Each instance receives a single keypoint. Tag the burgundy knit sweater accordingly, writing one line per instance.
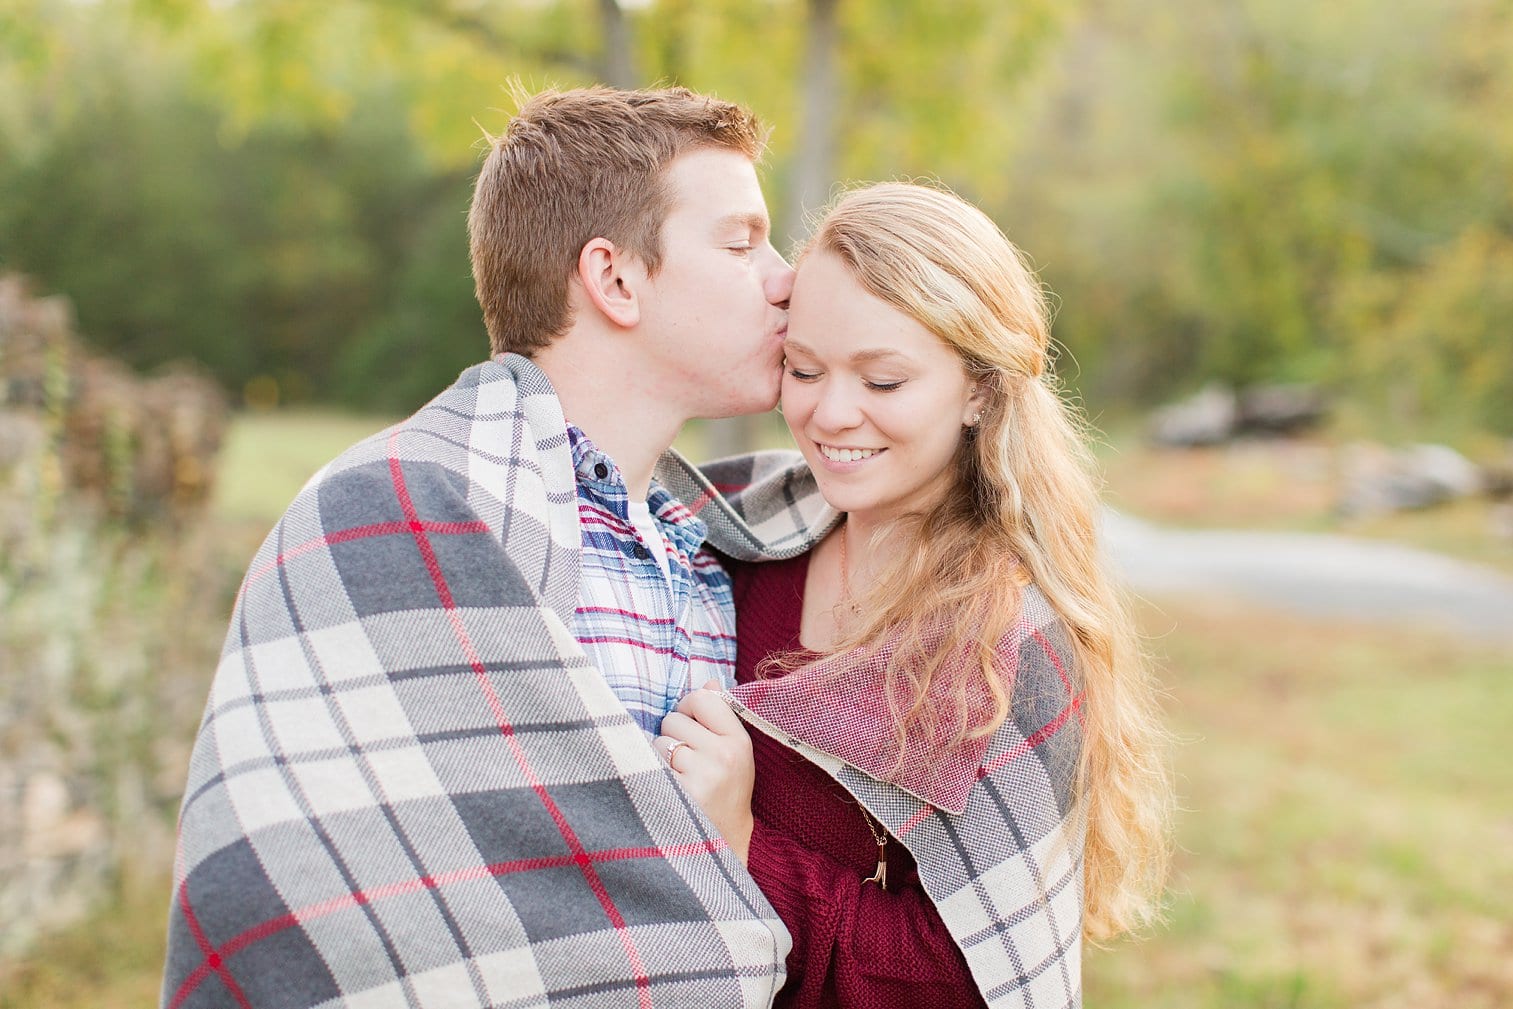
(855, 946)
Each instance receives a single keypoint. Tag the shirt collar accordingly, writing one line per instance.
(597, 473)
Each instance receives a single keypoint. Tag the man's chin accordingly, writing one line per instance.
(751, 409)
(749, 403)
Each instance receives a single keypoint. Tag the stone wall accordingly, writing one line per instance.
(112, 601)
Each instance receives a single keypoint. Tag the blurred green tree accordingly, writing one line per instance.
(1262, 189)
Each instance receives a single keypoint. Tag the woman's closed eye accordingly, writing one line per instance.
(884, 386)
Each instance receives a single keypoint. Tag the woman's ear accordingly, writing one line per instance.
(977, 401)
(610, 279)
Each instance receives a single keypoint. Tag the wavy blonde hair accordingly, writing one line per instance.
(1027, 510)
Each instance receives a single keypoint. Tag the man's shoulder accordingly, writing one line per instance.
(483, 447)
(483, 404)
(499, 414)
(481, 476)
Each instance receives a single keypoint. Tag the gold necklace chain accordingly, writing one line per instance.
(880, 837)
(845, 598)
(845, 580)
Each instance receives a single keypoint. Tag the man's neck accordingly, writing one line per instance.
(620, 416)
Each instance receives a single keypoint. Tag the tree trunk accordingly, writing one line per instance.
(814, 166)
(814, 171)
(618, 64)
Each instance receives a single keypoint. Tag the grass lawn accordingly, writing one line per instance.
(268, 457)
(1347, 839)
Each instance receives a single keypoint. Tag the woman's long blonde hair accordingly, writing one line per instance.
(1025, 509)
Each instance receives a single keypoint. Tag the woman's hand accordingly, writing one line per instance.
(708, 749)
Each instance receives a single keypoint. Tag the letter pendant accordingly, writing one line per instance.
(880, 877)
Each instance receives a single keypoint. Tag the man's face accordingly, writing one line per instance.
(716, 313)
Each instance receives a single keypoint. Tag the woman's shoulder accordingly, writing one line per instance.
(1039, 631)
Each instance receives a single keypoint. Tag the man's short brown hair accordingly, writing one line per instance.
(573, 166)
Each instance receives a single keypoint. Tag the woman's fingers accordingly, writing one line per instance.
(708, 749)
(667, 747)
(708, 707)
(689, 729)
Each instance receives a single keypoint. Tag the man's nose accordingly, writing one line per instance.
(779, 285)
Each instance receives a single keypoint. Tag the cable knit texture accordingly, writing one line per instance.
(854, 944)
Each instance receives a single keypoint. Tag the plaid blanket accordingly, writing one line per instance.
(991, 824)
(411, 787)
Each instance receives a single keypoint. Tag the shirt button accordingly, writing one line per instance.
(641, 552)
(600, 470)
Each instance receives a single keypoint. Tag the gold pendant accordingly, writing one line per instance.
(880, 877)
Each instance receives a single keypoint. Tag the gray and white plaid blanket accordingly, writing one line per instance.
(411, 787)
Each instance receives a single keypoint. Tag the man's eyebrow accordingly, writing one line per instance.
(756, 222)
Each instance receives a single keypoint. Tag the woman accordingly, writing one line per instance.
(959, 769)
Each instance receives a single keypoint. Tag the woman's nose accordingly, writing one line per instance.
(836, 410)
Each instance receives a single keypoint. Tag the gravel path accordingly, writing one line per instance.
(1316, 574)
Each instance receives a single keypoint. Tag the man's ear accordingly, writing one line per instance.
(611, 278)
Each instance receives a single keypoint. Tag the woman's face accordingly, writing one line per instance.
(875, 401)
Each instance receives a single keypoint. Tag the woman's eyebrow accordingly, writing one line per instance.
(860, 357)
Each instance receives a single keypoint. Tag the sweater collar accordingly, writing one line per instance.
(836, 705)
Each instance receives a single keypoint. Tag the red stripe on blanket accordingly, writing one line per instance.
(360, 533)
(1050, 728)
(916, 820)
(1040, 735)
(697, 505)
(215, 957)
(1055, 657)
(581, 858)
(213, 960)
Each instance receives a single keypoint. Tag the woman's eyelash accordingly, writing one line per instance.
(885, 386)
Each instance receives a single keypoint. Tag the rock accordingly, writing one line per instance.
(1207, 418)
(1445, 468)
(1497, 478)
(1281, 409)
(1378, 480)
(1500, 521)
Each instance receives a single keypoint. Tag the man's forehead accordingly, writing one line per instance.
(718, 185)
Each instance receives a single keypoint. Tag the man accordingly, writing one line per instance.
(425, 774)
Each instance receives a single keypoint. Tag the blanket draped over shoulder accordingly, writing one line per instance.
(992, 823)
(412, 788)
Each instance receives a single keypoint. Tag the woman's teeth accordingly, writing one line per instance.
(847, 454)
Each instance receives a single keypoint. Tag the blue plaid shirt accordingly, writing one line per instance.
(654, 637)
